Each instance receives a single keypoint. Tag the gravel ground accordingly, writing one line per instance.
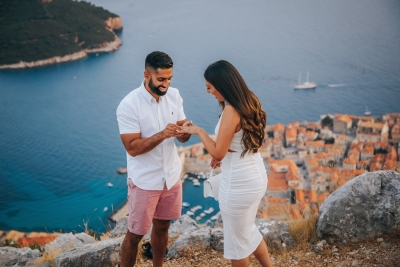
(382, 251)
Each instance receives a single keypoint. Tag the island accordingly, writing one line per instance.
(43, 32)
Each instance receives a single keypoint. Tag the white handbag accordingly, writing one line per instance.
(211, 185)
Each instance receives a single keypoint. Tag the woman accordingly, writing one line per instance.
(240, 132)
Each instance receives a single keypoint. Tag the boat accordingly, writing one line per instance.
(202, 214)
(198, 218)
(305, 85)
(367, 112)
(209, 211)
(105, 209)
(122, 170)
(110, 185)
(185, 204)
(213, 218)
(190, 213)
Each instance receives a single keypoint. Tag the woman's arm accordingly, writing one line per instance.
(229, 122)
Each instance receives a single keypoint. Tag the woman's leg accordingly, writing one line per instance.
(262, 255)
(240, 263)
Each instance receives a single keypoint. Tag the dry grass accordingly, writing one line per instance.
(303, 231)
(49, 257)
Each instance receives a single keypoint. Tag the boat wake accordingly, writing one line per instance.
(337, 85)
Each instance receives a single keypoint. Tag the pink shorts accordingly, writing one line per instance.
(146, 205)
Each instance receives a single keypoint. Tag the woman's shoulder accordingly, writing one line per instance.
(230, 110)
(231, 114)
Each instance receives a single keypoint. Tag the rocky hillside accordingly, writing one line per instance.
(33, 30)
(358, 225)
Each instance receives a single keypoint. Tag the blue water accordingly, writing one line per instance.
(59, 140)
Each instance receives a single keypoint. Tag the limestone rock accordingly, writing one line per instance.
(276, 234)
(364, 206)
(217, 239)
(194, 241)
(183, 225)
(114, 23)
(99, 254)
(218, 222)
(10, 256)
(67, 242)
(120, 229)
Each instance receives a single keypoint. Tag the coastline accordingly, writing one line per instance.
(103, 48)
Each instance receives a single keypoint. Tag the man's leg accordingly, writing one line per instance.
(159, 241)
(129, 249)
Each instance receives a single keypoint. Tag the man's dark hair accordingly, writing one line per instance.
(158, 60)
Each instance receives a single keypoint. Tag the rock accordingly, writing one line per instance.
(44, 62)
(114, 23)
(385, 245)
(194, 241)
(121, 228)
(183, 225)
(368, 251)
(218, 222)
(320, 244)
(217, 239)
(275, 234)
(67, 242)
(10, 256)
(361, 208)
(102, 253)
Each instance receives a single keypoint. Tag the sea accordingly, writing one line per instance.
(59, 138)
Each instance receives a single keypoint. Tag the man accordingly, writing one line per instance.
(149, 118)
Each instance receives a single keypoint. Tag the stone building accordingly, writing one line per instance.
(372, 132)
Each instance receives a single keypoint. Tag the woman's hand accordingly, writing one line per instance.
(215, 163)
(190, 128)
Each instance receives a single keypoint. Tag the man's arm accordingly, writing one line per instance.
(135, 145)
(183, 138)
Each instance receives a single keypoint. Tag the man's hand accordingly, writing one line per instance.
(171, 130)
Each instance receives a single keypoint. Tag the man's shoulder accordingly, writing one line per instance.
(173, 92)
(132, 97)
(130, 100)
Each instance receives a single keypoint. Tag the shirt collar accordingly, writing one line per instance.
(146, 93)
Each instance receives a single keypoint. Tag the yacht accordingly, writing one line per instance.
(305, 85)
(209, 211)
(122, 170)
(110, 185)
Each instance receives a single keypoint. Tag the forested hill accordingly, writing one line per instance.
(32, 30)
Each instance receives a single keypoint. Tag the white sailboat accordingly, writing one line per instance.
(367, 112)
(305, 85)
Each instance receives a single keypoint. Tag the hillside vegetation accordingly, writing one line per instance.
(31, 30)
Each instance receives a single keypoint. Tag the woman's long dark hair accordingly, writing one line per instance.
(230, 84)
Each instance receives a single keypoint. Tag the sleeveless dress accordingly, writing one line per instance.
(243, 184)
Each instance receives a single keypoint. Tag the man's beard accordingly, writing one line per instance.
(156, 89)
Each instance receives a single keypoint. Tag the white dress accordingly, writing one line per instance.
(243, 184)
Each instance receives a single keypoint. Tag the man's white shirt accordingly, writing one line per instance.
(139, 112)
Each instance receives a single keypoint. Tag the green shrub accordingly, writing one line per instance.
(31, 31)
